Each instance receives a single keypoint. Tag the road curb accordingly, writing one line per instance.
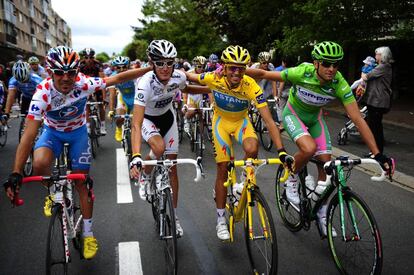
(399, 179)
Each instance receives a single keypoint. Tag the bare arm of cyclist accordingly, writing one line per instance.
(125, 76)
(271, 126)
(262, 74)
(10, 100)
(26, 143)
(136, 136)
(366, 134)
(192, 77)
(112, 98)
(196, 89)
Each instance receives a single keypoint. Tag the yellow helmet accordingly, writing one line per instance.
(236, 55)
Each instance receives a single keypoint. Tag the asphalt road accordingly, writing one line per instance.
(116, 226)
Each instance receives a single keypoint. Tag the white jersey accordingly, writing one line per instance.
(62, 112)
(156, 97)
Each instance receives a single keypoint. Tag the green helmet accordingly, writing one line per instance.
(327, 51)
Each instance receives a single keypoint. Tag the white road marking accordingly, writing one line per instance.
(129, 258)
(123, 186)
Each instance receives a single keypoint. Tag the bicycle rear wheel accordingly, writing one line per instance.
(199, 142)
(260, 235)
(169, 234)
(265, 138)
(289, 213)
(93, 137)
(3, 135)
(180, 124)
(21, 127)
(354, 253)
(55, 250)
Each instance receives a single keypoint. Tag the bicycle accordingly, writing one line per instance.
(260, 126)
(179, 117)
(197, 129)
(94, 126)
(66, 220)
(359, 237)
(3, 130)
(159, 195)
(126, 134)
(252, 207)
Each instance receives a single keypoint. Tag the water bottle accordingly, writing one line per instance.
(310, 185)
(320, 188)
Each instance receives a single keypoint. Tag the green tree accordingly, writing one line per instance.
(136, 50)
(179, 22)
(102, 57)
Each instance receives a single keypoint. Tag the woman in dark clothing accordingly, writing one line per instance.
(378, 93)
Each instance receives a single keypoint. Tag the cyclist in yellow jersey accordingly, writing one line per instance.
(232, 94)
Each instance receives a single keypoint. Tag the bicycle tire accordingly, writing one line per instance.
(199, 142)
(128, 146)
(3, 135)
(261, 249)
(208, 126)
(290, 215)
(265, 138)
(93, 138)
(169, 233)
(55, 247)
(28, 166)
(193, 132)
(369, 261)
(75, 208)
(180, 124)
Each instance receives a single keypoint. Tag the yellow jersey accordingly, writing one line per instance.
(231, 103)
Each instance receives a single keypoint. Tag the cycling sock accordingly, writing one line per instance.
(87, 228)
(102, 124)
(221, 218)
(322, 211)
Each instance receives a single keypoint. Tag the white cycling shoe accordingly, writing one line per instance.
(223, 231)
(292, 194)
(179, 230)
(322, 222)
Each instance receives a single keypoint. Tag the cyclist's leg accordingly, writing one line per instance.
(46, 149)
(245, 135)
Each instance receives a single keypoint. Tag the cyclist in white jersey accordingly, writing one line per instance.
(60, 101)
(153, 116)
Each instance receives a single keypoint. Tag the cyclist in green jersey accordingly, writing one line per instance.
(315, 85)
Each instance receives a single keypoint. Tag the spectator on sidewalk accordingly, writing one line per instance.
(378, 93)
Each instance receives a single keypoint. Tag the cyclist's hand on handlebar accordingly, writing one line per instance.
(388, 164)
(135, 166)
(111, 114)
(286, 159)
(12, 185)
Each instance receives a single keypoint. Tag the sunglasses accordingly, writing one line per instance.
(264, 63)
(327, 64)
(233, 69)
(121, 67)
(199, 66)
(161, 64)
(71, 73)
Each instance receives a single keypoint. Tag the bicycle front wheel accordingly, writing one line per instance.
(55, 250)
(289, 212)
(199, 142)
(260, 235)
(358, 248)
(169, 234)
(28, 166)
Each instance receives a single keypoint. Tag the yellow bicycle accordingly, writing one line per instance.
(251, 206)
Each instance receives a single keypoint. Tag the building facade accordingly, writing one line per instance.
(30, 27)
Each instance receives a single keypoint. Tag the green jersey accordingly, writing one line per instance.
(307, 93)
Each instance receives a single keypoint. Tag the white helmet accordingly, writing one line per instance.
(161, 49)
(264, 57)
(120, 61)
(21, 71)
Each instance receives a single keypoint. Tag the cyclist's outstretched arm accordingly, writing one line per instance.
(26, 144)
(271, 126)
(125, 76)
(262, 74)
(10, 100)
(196, 89)
(112, 98)
(192, 77)
(366, 134)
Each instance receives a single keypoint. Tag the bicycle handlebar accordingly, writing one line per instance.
(345, 162)
(17, 201)
(172, 162)
(259, 163)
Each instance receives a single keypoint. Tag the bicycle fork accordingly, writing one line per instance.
(342, 189)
